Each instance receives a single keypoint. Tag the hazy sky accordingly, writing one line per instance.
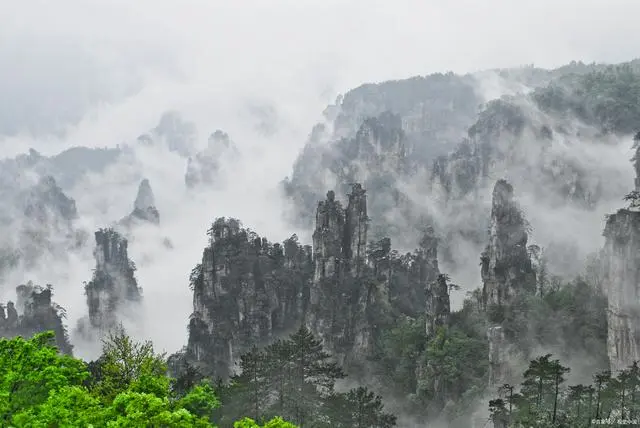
(59, 58)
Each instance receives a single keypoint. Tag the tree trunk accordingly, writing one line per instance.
(539, 394)
(598, 402)
(622, 401)
(555, 397)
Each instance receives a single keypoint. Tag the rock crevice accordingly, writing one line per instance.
(113, 286)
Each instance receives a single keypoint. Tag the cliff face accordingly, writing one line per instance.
(341, 294)
(621, 280)
(113, 285)
(506, 266)
(507, 271)
(438, 307)
(248, 291)
(34, 313)
(622, 286)
(340, 237)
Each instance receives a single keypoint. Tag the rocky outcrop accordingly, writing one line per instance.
(506, 265)
(8, 319)
(341, 294)
(34, 313)
(438, 307)
(246, 291)
(376, 134)
(46, 223)
(621, 282)
(622, 287)
(144, 207)
(174, 133)
(407, 143)
(340, 236)
(378, 155)
(113, 286)
(507, 271)
(204, 167)
(460, 132)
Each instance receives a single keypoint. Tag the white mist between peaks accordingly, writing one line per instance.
(247, 189)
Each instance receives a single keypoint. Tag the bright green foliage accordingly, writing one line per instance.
(134, 409)
(69, 406)
(39, 388)
(75, 406)
(201, 400)
(30, 370)
(125, 364)
(276, 422)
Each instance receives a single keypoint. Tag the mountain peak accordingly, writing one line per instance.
(144, 207)
(145, 198)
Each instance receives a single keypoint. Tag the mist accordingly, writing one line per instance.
(100, 73)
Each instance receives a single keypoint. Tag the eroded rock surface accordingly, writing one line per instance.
(507, 272)
(621, 280)
(506, 265)
(248, 291)
(34, 313)
(113, 288)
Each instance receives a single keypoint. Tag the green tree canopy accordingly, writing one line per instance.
(126, 387)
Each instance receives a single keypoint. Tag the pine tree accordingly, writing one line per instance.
(313, 372)
(359, 408)
(253, 382)
(499, 413)
(279, 357)
(558, 372)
